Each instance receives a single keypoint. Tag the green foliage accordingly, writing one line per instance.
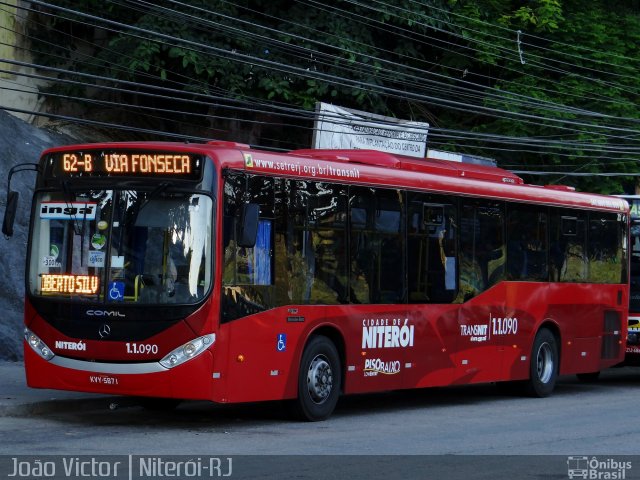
(537, 15)
(573, 57)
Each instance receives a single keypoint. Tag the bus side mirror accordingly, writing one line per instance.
(248, 225)
(10, 213)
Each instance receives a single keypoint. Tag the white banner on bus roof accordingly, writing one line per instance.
(343, 128)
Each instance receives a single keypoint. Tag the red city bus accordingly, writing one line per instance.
(219, 272)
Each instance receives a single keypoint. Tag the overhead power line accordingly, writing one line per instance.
(277, 66)
(617, 136)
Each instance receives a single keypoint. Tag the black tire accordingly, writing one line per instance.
(319, 380)
(543, 369)
(588, 377)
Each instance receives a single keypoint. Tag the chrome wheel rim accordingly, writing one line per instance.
(544, 362)
(319, 379)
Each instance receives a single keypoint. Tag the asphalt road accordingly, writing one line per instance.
(580, 419)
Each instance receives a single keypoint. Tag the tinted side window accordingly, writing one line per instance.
(248, 274)
(567, 246)
(311, 243)
(431, 248)
(482, 247)
(606, 248)
(527, 243)
(376, 246)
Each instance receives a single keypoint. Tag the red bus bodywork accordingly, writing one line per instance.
(405, 346)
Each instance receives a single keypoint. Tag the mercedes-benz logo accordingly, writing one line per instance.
(104, 331)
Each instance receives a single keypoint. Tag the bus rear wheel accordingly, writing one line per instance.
(543, 370)
(319, 380)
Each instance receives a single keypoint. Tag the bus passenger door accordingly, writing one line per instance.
(482, 254)
(377, 286)
(480, 354)
(432, 273)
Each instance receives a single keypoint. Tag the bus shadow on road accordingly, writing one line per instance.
(209, 415)
(482, 394)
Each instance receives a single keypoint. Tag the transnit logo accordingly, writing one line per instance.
(476, 333)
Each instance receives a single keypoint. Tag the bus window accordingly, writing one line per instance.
(248, 277)
(431, 248)
(249, 266)
(291, 271)
(70, 243)
(108, 249)
(323, 244)
(377, 246)
(159, 245)
(606, 248)
(482, 248)
(568, 246)
(311, 264)
(527, 243)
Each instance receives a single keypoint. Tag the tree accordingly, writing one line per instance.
(537, 84)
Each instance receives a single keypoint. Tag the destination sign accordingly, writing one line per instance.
(128, 163)
(70, 284)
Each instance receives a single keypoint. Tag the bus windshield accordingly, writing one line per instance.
(128, 246)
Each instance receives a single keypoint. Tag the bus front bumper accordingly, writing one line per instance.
(190, 380)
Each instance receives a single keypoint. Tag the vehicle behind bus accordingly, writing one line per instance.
(633, 338)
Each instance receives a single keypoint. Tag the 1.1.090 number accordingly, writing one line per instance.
(504, 326)
(142, 348)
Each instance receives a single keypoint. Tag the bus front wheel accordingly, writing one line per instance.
(319, 380)
(543, 370)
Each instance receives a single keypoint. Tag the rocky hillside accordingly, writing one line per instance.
(19, 143)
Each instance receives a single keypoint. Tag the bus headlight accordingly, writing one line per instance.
(38, 345)
(189, 350)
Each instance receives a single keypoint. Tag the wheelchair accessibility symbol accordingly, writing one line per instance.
(116, 291)
(282, 342)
